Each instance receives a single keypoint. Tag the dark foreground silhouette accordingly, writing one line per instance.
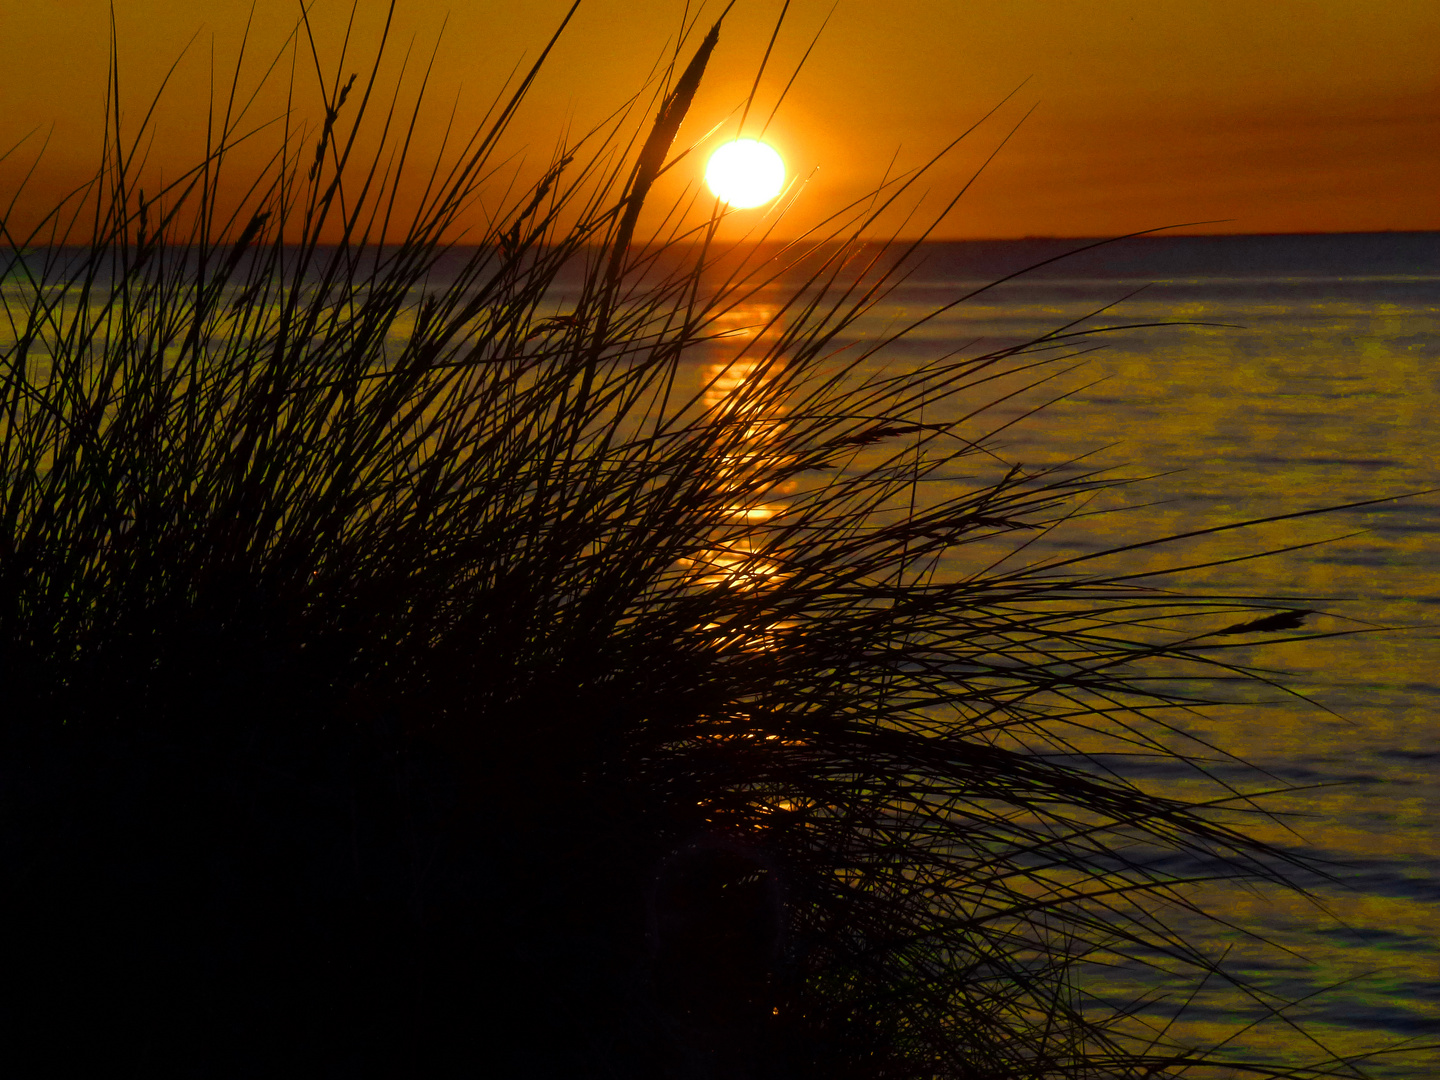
(266, 902)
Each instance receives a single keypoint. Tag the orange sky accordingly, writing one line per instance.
(1276, 116)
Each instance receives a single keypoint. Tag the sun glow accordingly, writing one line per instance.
(745, 173)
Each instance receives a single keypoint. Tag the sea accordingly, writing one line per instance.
(1263, 376)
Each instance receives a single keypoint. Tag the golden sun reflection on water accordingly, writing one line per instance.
(740, 556)
(740, 551)
(736, 393)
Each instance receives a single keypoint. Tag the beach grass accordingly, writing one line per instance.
(502, 652)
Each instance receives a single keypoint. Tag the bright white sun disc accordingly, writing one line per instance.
(745, 173)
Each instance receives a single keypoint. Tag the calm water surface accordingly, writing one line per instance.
(1324, 388)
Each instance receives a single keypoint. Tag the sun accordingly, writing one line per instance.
(745, 173)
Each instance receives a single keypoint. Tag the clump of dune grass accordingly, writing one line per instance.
(417, 660)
